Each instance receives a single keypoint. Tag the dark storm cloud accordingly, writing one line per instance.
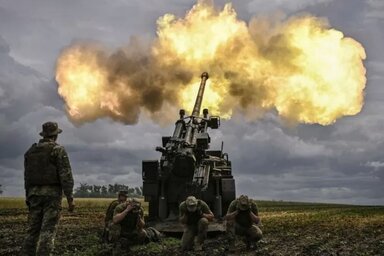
(339, 163)
(37, 36)
(23, 93)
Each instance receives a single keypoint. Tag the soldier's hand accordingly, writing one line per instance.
(129, 207)
(183, 219)
(256, 219)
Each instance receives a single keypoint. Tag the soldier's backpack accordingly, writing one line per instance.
(153, 235)
(111, 231)
(39, 169)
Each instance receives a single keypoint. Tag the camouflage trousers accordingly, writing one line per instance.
(125, 241)
(44, 214)
(190, 231)
(111, 232)
(251, 234)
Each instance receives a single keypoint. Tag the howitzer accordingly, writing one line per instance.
(187, 167)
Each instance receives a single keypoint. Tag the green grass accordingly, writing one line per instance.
(289, 229)
(81, 203)
(12, 203)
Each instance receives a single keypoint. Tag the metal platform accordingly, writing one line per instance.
(177, 227)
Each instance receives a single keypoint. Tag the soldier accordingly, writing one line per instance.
(109, 229)
(130, 217)
(47, 173)
(195, 215)
(242, 219)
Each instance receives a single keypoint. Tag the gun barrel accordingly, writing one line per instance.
(200, 94)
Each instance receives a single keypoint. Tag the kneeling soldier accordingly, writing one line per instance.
(242, 219)
(130, 217)
(110, 229)
(195, 215)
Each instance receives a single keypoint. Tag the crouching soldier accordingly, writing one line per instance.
(195, 215)
(130, 217)
(111, 231)
(242, 219)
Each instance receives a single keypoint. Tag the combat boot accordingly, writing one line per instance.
(198, 247)
(198, 244)
(250, 245)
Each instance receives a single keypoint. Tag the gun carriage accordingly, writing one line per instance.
(187, 167)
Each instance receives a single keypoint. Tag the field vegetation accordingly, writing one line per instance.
(289, 229)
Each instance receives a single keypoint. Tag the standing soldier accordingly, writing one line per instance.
(242, 219)
(47, 173)
(109, 229)
(195, 215)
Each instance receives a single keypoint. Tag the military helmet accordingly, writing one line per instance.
(243, 203)
(50, 129)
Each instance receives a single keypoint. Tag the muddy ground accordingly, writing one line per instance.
(289, 229)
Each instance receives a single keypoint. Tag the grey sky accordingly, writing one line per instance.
(339, 163)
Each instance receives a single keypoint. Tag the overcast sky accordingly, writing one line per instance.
(341, 163)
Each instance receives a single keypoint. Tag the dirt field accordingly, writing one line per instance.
(289, 229)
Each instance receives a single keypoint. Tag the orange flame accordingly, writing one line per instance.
(305, 70)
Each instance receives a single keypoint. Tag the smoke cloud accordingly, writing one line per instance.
(302, 68)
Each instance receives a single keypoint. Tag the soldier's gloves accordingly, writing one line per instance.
(200, 212)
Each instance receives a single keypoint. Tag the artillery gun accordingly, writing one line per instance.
(187, 167)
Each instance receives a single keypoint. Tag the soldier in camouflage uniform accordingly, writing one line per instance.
(130, 217)
(195, 215)
(110, 230)
(47, 173)
(242, 219)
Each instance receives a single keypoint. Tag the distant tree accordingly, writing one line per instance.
(110, 188)
(108, 191)
(96, 189)
(104, 191)
(1, 191)
(131, 191)
(83, 191)
(138, 191)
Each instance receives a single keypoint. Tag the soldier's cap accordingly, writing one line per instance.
(135, 201)
(123, 193)
(50, 129)
(191, 201)
(243, 202)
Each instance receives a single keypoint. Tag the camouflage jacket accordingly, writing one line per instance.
(110, 211)
(59, 158)
(243, 218)
(194, 217)
(129, 223)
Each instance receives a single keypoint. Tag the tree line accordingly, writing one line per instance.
(107, 191)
